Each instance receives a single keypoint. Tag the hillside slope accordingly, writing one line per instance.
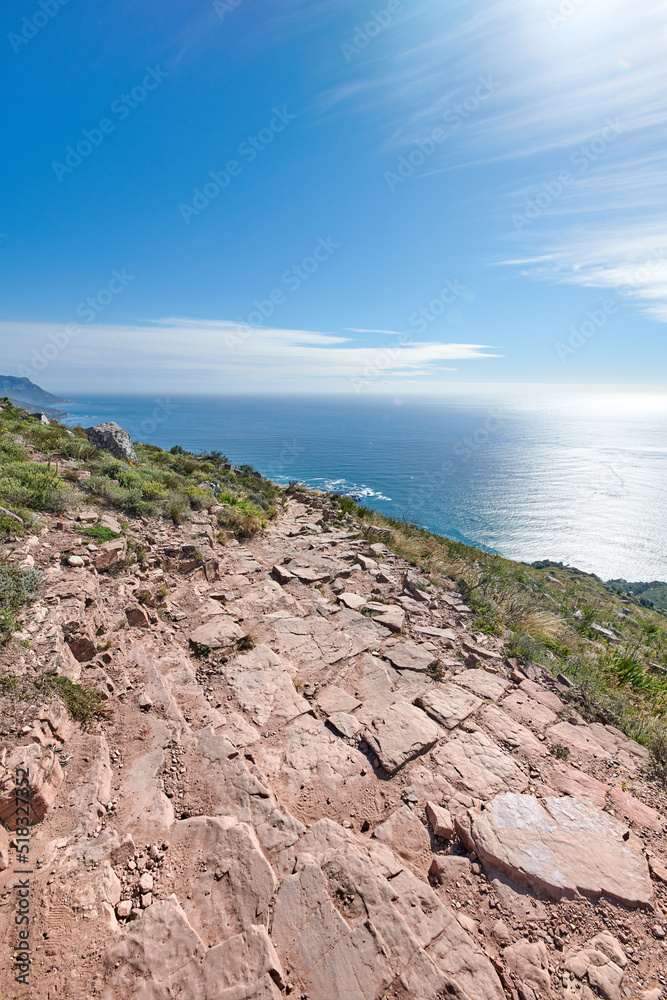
(24, 392)
(283, 747)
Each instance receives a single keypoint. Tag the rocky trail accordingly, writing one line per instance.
(315, 780)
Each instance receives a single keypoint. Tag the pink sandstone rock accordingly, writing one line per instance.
(561, 846)
(634, 811)
(45, 778)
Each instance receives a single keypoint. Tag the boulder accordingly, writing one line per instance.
(562, 846)
(44, 779)
(110, 437)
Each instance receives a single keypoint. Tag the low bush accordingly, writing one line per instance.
(17, 588)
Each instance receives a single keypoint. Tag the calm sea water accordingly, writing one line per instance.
(577, 480)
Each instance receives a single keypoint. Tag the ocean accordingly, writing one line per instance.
(576, 479)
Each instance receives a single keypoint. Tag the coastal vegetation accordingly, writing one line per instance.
(607, 646)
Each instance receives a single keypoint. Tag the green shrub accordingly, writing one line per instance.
(34, 486)
(17, 588)
(84, 704)
(97, 531)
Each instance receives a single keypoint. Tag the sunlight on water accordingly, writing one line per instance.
(576, 479)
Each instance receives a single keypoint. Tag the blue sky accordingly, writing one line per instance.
(333, 195)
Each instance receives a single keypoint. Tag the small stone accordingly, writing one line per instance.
(144, 701)
(154, 853)
(76, 561)
(441, 821)
(659, 931)
(124, 909)
(136, 618)
(146, 882)
(146, 900)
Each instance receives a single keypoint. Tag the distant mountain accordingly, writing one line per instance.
(25, 393)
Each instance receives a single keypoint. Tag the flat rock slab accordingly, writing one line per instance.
(567, 780)
(315, 639)
(353, 601)
(410, 656)
(392, 618)
(505, 729)
(345, 724)
(31, 775)
(263, 687)
(562, 846)
(404, 834)
(473, 763)
(312, 570)
(333, 699)
(436, 633)
(547, 698)
(399, 734)
(526, 709)
(448, 704)
(482, 683)
(634, 811)
(220, 631)
(596, 740)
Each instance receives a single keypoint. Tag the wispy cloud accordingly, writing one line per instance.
(562, 77)
(194, 355)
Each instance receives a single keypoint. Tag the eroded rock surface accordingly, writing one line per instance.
(562, 846)
(291, 798)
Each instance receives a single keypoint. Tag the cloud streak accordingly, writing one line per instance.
(194, 355)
